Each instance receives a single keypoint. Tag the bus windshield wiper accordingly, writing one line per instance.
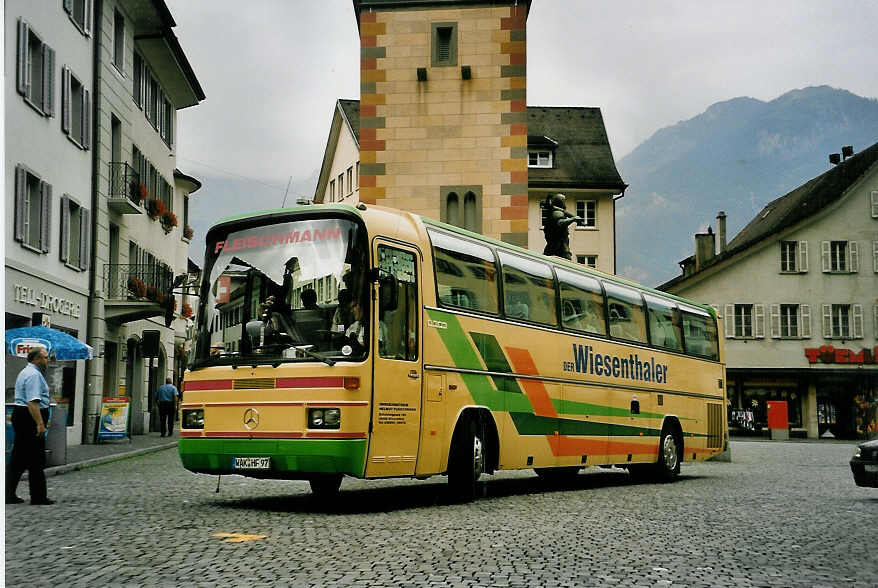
(306, 349)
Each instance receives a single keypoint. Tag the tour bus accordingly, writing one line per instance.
(336, 340)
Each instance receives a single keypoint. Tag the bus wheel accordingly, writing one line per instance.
(467, 462)
(668, 466)
(558, 475)
(325, 485)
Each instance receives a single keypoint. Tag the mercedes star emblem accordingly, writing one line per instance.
(251, 418)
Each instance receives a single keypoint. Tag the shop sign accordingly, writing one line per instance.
(46, 301)
(829, 354)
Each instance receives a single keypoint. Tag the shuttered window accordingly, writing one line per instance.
(80, 12)
(35, 70)
(790, 321)
(843, 321)
(840, 257)
(74, 233)
(745, 321)
(75, 109)
(33, 208)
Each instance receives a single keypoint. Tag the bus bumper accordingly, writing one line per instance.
(291, 459)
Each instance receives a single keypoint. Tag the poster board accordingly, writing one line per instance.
(113, 422)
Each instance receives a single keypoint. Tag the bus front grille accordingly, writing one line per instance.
(254, 384)
(714, 425)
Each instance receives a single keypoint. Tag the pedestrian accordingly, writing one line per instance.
(29, 419)
(167, 399)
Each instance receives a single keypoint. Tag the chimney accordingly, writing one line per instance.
(705, 248)
(721, 229)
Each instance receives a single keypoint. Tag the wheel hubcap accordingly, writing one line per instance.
(670, 453)
(478, 458)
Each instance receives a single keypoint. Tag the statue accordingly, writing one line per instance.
(555, 224)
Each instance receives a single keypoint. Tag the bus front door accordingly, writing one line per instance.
(397, 376)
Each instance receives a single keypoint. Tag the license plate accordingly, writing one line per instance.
(252, 463)
(872, 468)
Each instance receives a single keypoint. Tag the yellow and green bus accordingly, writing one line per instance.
(335, 340)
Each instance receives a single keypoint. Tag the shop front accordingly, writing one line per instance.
(30, 299)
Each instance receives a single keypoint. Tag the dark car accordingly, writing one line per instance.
(864, 464)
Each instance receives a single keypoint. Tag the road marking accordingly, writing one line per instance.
(238, 537)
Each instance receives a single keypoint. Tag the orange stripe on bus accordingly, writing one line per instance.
(570, 446)
(523, 363)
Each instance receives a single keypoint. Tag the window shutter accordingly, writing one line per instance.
(875, 259)
(84, 228)
(65, 228)
(858, 321)
(20, 188)
(86, 112)
(46, 212)
(759, 321)
(730, 320)
(774, 320)
(825, 256)
(86, 19)
(803, 256)
(22, 57)
(827, 321)
(853, 247)
(874, 203)
(804, 321)
(65, 100)
(68, 6)
(48, 81)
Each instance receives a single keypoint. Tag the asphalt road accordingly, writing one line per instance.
(781, 514)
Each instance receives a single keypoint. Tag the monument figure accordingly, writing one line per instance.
(556, 222)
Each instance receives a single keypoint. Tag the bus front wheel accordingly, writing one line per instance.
(467, 461)
(668, 466)
(325, 485)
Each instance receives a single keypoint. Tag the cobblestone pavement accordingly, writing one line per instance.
(781, 514)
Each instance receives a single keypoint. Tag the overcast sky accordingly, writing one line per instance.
(273, 71)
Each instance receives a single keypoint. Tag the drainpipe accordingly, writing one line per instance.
(90, 411)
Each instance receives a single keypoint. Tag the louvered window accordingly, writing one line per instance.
(76, 109)
(33, 207)
(74, 233)
(444, 44)
(35, 70)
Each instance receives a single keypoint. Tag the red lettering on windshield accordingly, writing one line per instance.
(272, 239)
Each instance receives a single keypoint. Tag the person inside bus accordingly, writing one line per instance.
(517, 307)
(309, 299)
(342, 317)
(358, 330)
(278, 329)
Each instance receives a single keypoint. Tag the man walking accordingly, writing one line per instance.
(167, 398)
(29, 419)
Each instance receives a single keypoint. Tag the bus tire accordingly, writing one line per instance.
(325, 485)
(467, 461)
(670, 450)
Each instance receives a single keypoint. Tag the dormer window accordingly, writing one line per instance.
(541, 158)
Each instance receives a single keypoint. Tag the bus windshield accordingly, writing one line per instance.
(283, 292)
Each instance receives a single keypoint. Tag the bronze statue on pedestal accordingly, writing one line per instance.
(556, 221)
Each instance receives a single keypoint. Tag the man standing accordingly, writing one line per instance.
(167, 398)
(29, 419)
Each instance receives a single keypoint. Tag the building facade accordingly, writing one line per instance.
(48, 97)
(141, 201)
(798, 292)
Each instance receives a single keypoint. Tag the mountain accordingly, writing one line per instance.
(736, 156)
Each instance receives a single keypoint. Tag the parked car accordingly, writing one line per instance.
(864, 464)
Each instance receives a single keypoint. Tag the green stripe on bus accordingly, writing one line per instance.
(531, 424)
(495, 361)
(584, 408)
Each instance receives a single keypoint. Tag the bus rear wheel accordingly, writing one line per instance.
(467, 461)
(325, 485)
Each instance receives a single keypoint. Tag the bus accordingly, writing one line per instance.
(338, 340)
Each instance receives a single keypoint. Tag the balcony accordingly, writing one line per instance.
(123, 196)
(135, 291)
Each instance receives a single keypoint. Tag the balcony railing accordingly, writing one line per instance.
(137, 282)
(124, 193)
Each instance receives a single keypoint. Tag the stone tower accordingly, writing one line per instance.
(443, 121)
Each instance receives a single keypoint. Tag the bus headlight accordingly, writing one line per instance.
(193, 418)
(324, 418)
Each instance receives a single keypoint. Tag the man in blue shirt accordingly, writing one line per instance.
(167, 398)
(29, 420)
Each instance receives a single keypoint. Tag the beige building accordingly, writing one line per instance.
(798, 292)
(442, 129)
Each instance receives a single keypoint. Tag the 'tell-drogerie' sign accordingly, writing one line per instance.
(829, 354)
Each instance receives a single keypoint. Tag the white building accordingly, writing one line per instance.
(48, 96)
(798, 292)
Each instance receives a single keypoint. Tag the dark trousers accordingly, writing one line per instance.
(28, 453)
(166, 416)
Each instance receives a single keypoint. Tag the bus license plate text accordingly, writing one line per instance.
(252, 463)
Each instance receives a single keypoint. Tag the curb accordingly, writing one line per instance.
(80, 465)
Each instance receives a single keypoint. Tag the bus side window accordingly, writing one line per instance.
(582, 303)
(625, 306)
(528, 289)
(664, 323)
(466, 276)
(700, 335)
